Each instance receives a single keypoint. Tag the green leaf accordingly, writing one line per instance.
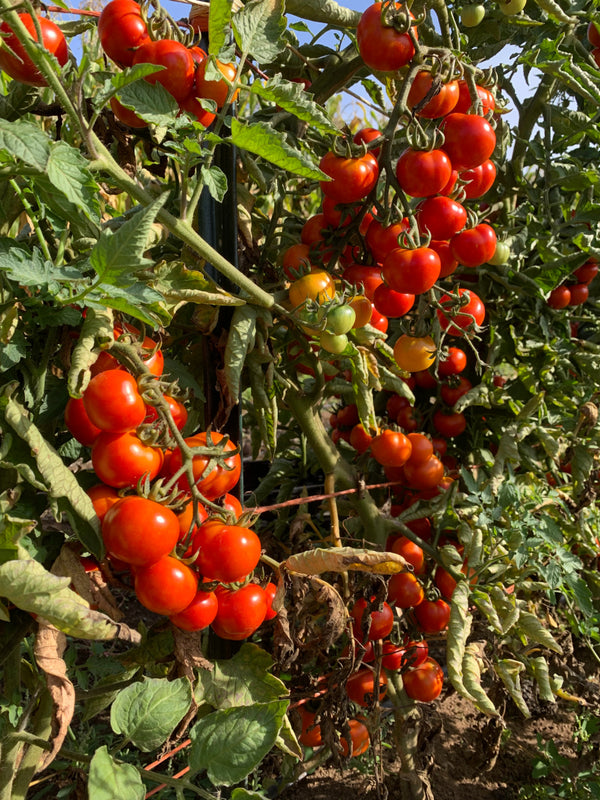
(150, 101)
(287, 740)
(25, 142)
(26, 584)
(261, 139)
(113, 82)
(258, 29)
(28, 267)
(484, 604)
(242, 680)
(118, 256)
(180, 284)
(581, 592)
(242, 332)
(264, 399)
(245, 794)
(148, 712)
(293, 98)
(61, 482)
(98, 702)
(68, 172)
(219, 23)
(230, 743)
(215, 181)
(327, 11)
(506, 608)
(107, 779)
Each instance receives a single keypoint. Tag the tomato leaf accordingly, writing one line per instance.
(326, 11)
(231, 742)
(506, 607)
(340, 559)
(219, 23)
(484, 604)
(25, 142)
(60, 481)
(67, 171)
(532, 627)
(242, 680)
(508, 670)
(258, 29)
(108, 779)
(287, 740)
(293, 98)
(459, 628)
(148, 712)
(151, 102)
(264, 399)
(539, 666)
(215, 181)
(263, 140)
(97, 329)
(29, 268)
(471, 675)
(244, 794)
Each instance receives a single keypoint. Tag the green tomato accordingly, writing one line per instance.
(471, 16)
(340, 319)
(511, 7)
(333, 343)
(501, 254)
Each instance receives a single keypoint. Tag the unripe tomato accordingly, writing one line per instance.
(17, 63)
(414, 353)
(501, 254)
(333, 343)
(362, 308)
(340, 319)
(511, 7)
(472, 15)
(317, 285)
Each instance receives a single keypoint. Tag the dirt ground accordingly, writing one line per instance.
(465, 755)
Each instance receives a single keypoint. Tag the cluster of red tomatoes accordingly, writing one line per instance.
(125, 39)
(193, 566)
(576, 291)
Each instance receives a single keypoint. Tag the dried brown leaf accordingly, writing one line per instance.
(342, 559)
(89, 585)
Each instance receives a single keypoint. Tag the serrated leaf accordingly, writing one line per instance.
(291, 97)
(26, 584)
(67, 171)
(258, 29)
(506, 607)
(112, 82)
(117, 256)
(108, 779)
(231, 742)
(219, 22)
(150, 101)
(60, 481)
(242, 680)
(25, 142)
(148, 712)
(534, 630)
(29, 268)
(261, 139)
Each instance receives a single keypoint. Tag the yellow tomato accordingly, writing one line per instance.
(414, 353)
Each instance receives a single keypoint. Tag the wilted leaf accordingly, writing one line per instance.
(341, 559)
(508, 671)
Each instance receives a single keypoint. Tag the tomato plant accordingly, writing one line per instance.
(405, 591)
(113, 403)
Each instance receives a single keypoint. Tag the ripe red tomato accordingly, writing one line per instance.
(338, 218)
(449, 424)
(112, 401)
(313, 230)
(425, 475)
(441, 217)
(423, 173)
(122, 459)
(270, 592)
(199, 614)
(472, 313)
(17, 63)
(433, 615)
(240, 612)
(453, 363)
(102, 497)
(400, 657)
(139, 531)
(347, 416)
(441, 103)
(391, 303)
(448, 263)
(78, 422)
(411, 271)
(367, 135)
(360, 439)
(424, 682)
(579, 294)
(391, 448)
(221, 479)
(126, 115)
(383, 239)
(469, 140)
(479, 180)
(122, 29)
(474, 246)
(586, 272)
(360, 687)
(178, 75)
(296, 261)
(382, 621)
(226, 553)
(365, 278)
(378, 321)
(310, 735)
(560, 297)
(405, 590)
(166, 587)
(351, 178)
(380, 45)
(359, 738)
(411, 552)
(593, 34)
(151, 354)
(212, 90)
(177, 409)
(422, 448)
(463, 103)
(452, 392)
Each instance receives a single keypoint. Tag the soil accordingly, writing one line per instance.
(465, 755)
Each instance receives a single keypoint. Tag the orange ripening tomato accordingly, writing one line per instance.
(414, 353)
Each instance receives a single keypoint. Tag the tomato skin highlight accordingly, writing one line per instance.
(139, 531)
(166, 587)
(18, 64)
